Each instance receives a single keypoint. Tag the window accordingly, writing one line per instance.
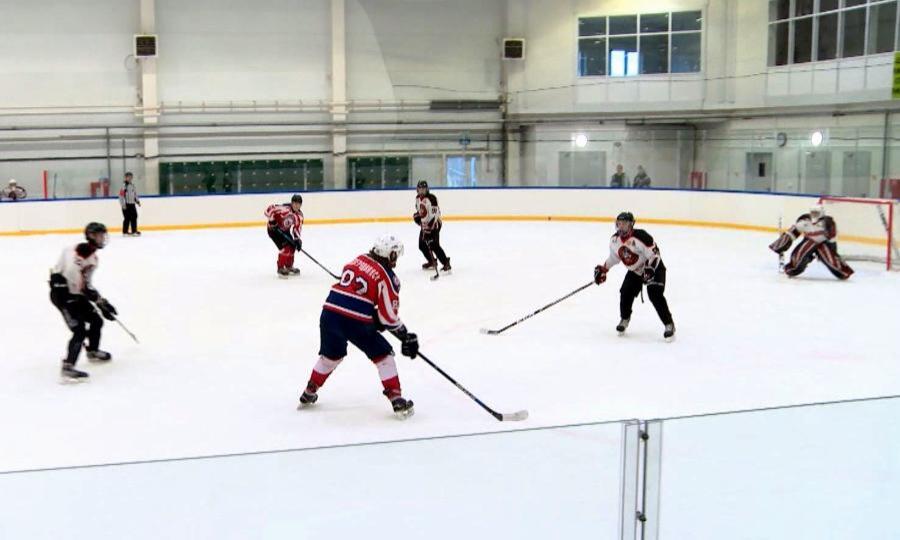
(882, 19)
(828, 33)
(378, 172)
(802, 31)
(591, 57)
(779, 41)
(803, 40)
(854, 33)
(650, 43)
(462, 171)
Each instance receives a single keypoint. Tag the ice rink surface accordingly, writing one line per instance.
(226, 346)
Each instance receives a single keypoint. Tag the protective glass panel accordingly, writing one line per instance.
(828, 37)
(779, 41)
(686, 20)
(654, 22)
(803, 40)
(882, 25)
(623, 24)
(854, 33)
(592, 26)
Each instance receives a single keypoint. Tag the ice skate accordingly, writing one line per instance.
(294, 271)
(669, 333)
(622, 326)
(446, 266)
(403, 407)
(284, 272)
(308, 397)
(98, 356)
(428, 266)
(68, 374)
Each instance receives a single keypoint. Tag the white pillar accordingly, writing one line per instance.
(338, 168)
(150, 103)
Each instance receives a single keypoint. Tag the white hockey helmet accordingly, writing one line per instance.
(817, 211)
(12, 181)
(388, 246)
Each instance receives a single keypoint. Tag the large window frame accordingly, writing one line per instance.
(581, 64)
(815, 17)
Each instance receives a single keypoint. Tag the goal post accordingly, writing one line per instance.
(867, 228)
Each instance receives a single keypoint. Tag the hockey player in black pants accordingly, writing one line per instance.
(73, 294)
(636, 250)
(428, 217)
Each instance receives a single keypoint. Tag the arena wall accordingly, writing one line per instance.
(728, 210)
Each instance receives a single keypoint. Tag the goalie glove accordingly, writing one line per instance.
(417, 218)
(782, 244)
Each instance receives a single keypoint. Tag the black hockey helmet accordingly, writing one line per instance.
(297, 198)
(92, 230)
(422, 184)
(628, 218)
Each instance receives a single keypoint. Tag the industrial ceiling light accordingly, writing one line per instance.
(816, 138)
(580, 140)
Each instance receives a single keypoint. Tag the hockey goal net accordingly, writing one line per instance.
(867, 229)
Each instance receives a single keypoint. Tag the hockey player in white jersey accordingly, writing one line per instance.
(819, 232)
(636, 250)
(72, 292)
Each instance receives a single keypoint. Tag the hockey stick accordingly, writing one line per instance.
(780, 255)
(320, 265)
(436, 273)
(516, 416)
(293, 242)
(530, 315)
(127, 331)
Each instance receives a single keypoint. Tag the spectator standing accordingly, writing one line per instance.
(619, 179)
(129, 200)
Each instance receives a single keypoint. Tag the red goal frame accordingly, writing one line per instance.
(890, 218)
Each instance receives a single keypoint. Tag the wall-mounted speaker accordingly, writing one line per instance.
(145, 46)
(513, 49)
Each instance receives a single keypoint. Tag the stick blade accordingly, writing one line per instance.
(489, 332)
(517, 416)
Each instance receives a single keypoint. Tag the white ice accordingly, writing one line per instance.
(226, 347)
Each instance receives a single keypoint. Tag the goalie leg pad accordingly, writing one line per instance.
(800, 258)
(827, 252)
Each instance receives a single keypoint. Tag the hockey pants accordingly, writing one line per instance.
(82, 319)
(285, 249)
(431, 242)
(631, 287)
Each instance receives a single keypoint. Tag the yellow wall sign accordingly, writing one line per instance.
(895, 93)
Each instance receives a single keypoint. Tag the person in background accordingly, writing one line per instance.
(619, 179)
(641, 179)
(128, 199)
(13, 191)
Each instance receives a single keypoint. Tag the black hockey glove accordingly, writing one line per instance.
(417, 218)
(298, 244)
(410, 346)
(600, 274)
(108, 310)
(648, 274)
(92, 294)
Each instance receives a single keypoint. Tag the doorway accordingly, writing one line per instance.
(759, 173)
